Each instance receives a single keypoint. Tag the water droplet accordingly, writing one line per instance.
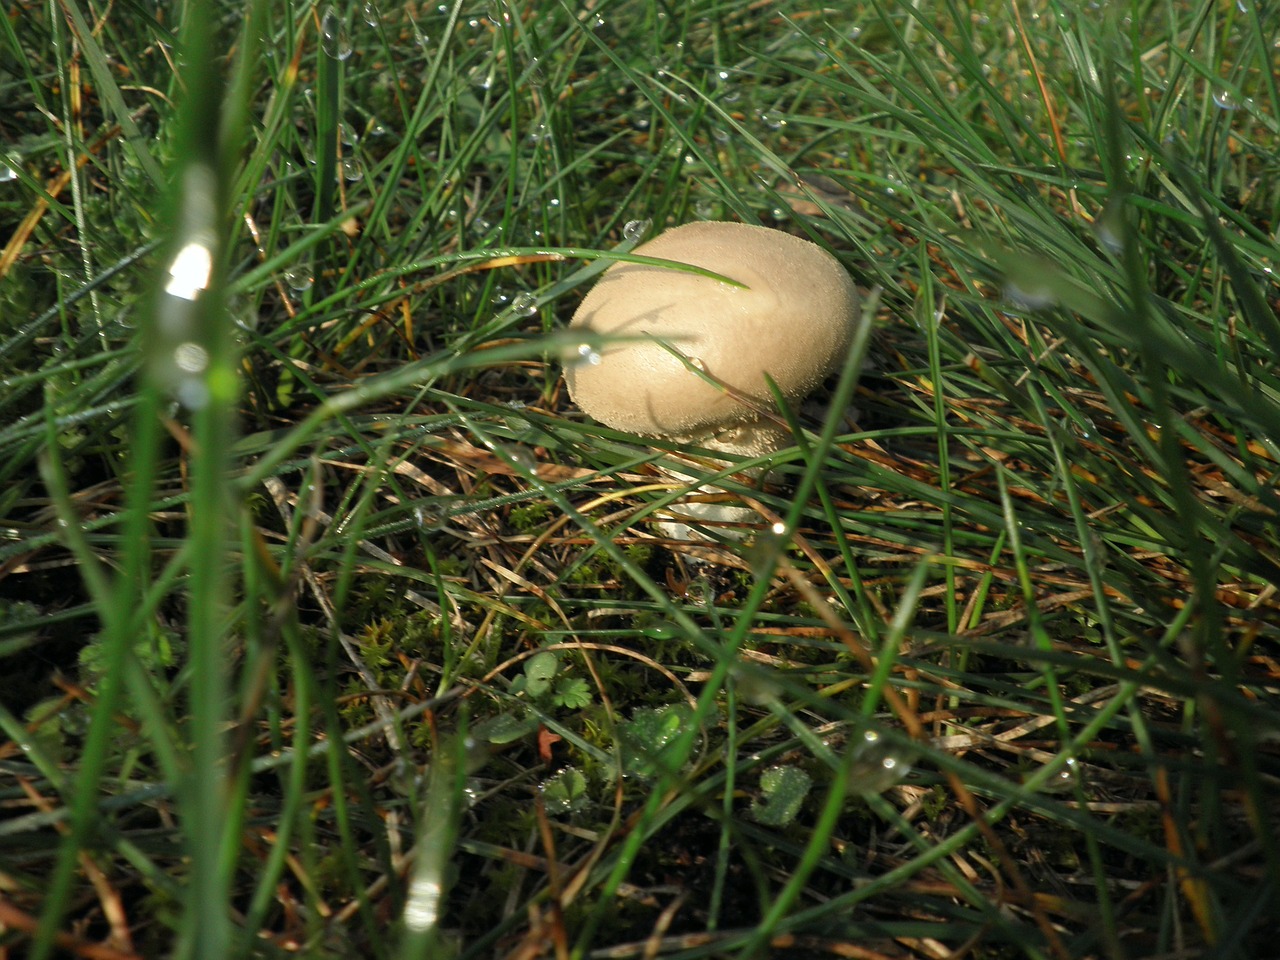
(773, 121)
(1244, 6)
(758, 686)
(347, 135)
(661, 630)
(426, 518)
(704, 209)
(1107, 236)
(351, 169)
(299, 277)
(762, 553)
(499, 13)
(596, 22)
(587, 354)
(8, 168)
(420, 38)
(1065, 779)
(1029, 298)
(192, 392)
(1224, 98)
(698, 364)
(634, 230)
(699, 592)
(537, 133)
(524, 304)
(334, 38)
(535, 74)
(190, 271)
(191, 358)
(371, 15)
(875, 764)
(518, 456)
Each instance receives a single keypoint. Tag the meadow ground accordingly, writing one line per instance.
(329, 627)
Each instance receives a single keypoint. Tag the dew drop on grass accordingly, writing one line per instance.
(8, 169)
(1225, 99)
(190, 270)
(334, 38)
(535, 74)
(1107, 235)
(587, 354)
(1029, 298)
(524, 304)
(298, 277)
(634, 230)
(704, 209)
(700, 593)
(421, 39)
(755, 684)
(661, 630)
(351, 170)
(370, 13)
(875, 764)
(426, 518)
(1065, 779)
(499, 13)
(762, 553)
(518, 456)
(190, 358)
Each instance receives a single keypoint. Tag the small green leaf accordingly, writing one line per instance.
(565, 791)
(504, 728)
(782, 791)
(572, 692)
(647, 736)
(539, 671)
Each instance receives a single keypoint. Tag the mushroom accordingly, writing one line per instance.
(685, 356)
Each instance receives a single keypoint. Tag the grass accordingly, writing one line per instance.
(330, 627)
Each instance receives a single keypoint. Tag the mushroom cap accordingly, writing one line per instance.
(793, 321)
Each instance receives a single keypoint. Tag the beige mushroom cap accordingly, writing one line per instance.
(794, 321)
